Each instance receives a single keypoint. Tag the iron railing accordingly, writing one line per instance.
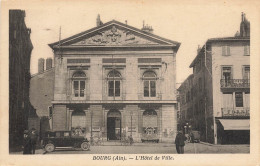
(235, 83)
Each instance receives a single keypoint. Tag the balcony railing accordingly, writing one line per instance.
(235, 83)
(237, 112)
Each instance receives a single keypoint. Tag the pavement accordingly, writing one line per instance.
(150, 148)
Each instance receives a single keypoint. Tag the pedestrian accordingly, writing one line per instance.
(179, 142)
(27, 143)
(34, 138)
(192, 137)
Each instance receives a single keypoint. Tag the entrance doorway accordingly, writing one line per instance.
(113, 125)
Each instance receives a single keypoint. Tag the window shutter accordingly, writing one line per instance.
(228, 50)
(223, 50)
(246, 50)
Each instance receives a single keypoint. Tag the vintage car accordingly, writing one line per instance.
(150, 135)
(54, 139)
(195, 136)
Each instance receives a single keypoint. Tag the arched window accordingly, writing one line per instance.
(114, 78)
(149, 78)
(79, 83)
(150, 122)
(149, 112)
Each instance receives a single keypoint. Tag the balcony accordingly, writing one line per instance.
(237, 112)
(233, 84)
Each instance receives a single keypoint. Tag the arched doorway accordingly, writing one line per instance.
(113, 125)
(150, 126)
(78, 122)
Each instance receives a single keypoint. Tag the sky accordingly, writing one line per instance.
(191, 25)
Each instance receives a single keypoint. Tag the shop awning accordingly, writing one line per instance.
(235, 124)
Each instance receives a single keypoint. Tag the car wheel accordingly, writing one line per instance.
(85, 146)
(49, 147)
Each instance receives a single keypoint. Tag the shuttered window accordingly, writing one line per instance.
(247, 50)
(225, 51)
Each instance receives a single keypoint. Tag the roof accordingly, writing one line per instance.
(45, 71)
(92, 30)
(189, 77)
(237, 38)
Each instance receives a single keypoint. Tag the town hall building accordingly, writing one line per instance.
(114, 81)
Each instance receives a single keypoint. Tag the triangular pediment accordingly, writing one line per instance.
(114, 34)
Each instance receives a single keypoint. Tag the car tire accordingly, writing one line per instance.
(49, 147)
(85, 146)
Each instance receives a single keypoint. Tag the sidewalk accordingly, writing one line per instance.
(224, 145)
(37, 152)
(19, 150)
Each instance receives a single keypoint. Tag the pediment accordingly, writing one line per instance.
(114, 34)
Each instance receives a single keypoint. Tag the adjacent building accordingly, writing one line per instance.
(41, 96)
(115, 80)
(215, 99)
(20, 47)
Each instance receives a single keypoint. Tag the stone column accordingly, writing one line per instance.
(67, 118)
(140, 123)
(86, 114)
(105, 124)
(70, 118)
(159, 116)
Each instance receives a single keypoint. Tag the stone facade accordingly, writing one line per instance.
(115, 80)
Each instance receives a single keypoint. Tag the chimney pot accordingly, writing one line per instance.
(40, 65)
(48, 63)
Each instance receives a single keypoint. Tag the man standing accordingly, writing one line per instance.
(26, 143)
(179, 142)
(34, 138)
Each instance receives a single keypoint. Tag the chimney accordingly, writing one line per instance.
(198, 50)
(99, 22)
(244, 26)
(242, 17)
(40, 65)
(48, 63)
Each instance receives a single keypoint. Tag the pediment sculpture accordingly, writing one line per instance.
(114, 36)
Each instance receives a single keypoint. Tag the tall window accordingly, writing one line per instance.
(79, 83)
(246, 73)
(149, 84)
(225, 51)
(226, 75)
(239, 99)
(114, 78)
